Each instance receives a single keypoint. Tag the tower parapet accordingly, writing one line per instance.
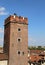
(16, 19)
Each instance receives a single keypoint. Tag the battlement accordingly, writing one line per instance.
(16, 19)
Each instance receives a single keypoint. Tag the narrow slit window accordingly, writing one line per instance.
(23, 53)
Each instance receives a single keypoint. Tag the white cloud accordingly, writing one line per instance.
(36, 42)
(1, 40)
(31, 40)
(2, 8)
(1, 36)
(1, 30)
(3, 11)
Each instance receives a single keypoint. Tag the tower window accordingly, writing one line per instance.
(19, 40)
(19, 29)
(19, 52)
(23, 53)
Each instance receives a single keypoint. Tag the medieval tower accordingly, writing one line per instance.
(16, 40)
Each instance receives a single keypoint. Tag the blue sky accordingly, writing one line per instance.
(34, 10)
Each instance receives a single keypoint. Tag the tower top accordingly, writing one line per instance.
(16, 19)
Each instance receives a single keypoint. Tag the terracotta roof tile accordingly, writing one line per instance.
(3, 56)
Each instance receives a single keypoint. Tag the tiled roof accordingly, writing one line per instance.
(36, 55)
(34, 58)
(3, 56)
(37, 51)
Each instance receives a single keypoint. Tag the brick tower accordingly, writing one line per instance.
(16, 40)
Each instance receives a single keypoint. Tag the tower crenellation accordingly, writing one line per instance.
(17, 19)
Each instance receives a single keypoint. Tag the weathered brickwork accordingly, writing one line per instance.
(16, 40)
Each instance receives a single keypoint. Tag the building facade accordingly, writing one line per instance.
(16, 40)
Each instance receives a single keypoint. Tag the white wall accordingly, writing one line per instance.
(3, 62)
